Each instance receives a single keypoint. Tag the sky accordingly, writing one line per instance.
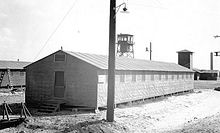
(33, 29)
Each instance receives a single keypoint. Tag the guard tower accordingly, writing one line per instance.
(185, 58)
(125, 43)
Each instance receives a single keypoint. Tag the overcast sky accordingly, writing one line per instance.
(171, 25)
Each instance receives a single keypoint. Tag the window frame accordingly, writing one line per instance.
(152, 77)
(143, 77)
(166, 76)
(183, 76)
(122, 78)
(133, 77)
(172, 76)
(160, 77)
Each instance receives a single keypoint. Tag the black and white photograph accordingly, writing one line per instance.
(109, 66)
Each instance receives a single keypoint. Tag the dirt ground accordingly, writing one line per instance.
(174, 114)
(193, 112)
(206, 84)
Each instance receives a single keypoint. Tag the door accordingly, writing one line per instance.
(59, 85)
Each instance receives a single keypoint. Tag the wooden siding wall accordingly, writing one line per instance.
(17, 78)
(80, 81)
(82, 84)
(147, 84)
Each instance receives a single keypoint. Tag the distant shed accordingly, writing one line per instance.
(12, 73)
(81, 79)
(209, 75)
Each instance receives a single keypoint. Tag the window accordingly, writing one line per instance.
(143, 77)
(172, 76)
(21, 73)
(166, 76)
(177, 76)
(60, 57)
(186, 76)
(191, 76)
(182, 76)
(133, 78)
(152, 77)
(122, 78)
(159, 76)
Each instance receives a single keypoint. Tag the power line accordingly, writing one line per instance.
(51, 35)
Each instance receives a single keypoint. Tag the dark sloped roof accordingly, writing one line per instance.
(205, 71)
(124, 63)
(184, 51)
(209, 71)
(13, 64)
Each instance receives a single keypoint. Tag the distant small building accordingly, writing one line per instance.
(206, 74)
(185, 58)
(12, 73)
(209, 74)
(81, 79)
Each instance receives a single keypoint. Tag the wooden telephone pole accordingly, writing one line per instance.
(213, 54)
(111, 63)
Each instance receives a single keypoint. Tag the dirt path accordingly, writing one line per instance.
(170, 114)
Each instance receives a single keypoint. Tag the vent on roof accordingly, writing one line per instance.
(60, 57)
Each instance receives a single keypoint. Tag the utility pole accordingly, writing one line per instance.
(211, 61)
(111, 63)
(150, 50)
(212, 54)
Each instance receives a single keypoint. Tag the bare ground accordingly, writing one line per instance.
(77, 123)
(172, 114)
(206, 84)
(194, 112)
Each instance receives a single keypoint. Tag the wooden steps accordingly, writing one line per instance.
(50, 106)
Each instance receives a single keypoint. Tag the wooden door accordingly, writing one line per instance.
(59, 85)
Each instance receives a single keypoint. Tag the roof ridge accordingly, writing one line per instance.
(125, 63)
(121, 57)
